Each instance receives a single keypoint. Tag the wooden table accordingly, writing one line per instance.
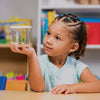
(26, 95)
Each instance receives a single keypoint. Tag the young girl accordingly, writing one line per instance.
(57, 71)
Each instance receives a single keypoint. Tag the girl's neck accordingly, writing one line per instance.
(59, 61)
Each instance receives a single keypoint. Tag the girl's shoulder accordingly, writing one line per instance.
(75, 61)
(78, 65)
(72, 60)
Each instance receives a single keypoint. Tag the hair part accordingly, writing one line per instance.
(78, 31)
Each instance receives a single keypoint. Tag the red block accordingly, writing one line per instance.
(93, 33)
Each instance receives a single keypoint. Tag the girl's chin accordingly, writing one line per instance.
(48, 53)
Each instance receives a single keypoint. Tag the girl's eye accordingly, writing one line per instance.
(57, 38)
(48, 33)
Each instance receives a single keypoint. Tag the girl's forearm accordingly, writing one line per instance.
(87, 87)
(36, 80)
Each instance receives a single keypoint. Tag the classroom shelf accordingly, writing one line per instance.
(79, 10)
(93, 46)
(74, 8)
(95, 7)
(88, 47)
(12, 62)
(4, 45)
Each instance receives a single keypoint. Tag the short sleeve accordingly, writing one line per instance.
(42, 63)
(80, 67)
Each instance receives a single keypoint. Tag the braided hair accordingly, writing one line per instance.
(78, 32)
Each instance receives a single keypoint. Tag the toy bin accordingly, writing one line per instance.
(19, 85)
(21, 34)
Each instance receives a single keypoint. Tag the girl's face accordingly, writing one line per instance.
(57, 41)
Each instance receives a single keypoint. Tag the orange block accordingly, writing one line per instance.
(19, 85)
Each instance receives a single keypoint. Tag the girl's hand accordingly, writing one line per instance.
(67, 89)
(28, 51)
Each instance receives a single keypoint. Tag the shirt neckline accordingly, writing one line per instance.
(55, 67)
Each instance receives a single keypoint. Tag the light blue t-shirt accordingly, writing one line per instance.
(68, 74)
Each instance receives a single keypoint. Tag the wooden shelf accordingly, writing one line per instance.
(93, 46)
(95, 7)
(8, 45)
(12, 62)
(73, 8)
(4, 45)
(88, 47)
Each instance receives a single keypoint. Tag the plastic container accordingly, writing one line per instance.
(21, 34)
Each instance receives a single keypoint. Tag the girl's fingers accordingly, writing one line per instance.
(53, 89)
(13, 47)
(67, 92)
(23, 47)
(61, 91)
(56, 90)
(17, 50)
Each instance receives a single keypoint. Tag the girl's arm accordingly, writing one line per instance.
(36, 80)
(35, 75)
(90, 82)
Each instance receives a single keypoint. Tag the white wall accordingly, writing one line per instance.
(22, 9)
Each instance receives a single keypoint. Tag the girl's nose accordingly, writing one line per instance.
(50, 40)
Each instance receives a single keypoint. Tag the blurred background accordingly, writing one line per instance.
(39, 14)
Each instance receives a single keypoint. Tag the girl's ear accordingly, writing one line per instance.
(74, 47)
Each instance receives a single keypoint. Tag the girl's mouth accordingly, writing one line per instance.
(48, 48)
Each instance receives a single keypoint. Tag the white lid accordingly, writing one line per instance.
(20, 26)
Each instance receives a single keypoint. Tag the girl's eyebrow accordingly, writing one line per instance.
(56, 32)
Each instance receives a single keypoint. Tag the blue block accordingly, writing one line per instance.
(3, 80)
